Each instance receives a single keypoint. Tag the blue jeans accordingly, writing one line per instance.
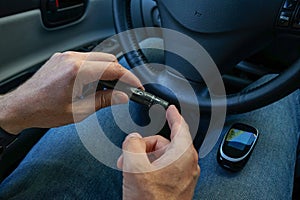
(60, 167)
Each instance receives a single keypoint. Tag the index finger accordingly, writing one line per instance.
(135, 159)
(92, 56)
(115, 71)
(91, 71)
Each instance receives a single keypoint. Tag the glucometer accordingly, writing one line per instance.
(237, 146)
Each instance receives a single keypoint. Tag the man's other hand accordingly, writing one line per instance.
(156, 168)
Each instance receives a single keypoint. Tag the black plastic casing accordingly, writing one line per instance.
(229, 161)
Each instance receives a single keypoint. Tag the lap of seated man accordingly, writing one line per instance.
(60, 167)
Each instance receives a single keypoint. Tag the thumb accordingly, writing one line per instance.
(135, 159)
(105, 98)
(181, 141)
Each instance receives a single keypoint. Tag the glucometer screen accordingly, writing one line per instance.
(239, 139)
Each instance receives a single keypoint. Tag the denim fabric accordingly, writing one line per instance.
(60, 167)
(269, 172)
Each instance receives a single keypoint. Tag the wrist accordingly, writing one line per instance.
(9, 120)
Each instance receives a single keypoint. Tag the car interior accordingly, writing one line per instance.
(246, 40)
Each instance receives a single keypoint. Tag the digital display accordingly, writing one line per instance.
(239, 139)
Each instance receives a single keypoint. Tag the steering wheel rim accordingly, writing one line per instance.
(244, 101)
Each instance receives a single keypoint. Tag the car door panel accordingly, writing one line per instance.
(26, 42)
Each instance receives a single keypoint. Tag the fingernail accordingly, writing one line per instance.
(141, 87)
(136, 135)
(120, 162)
(173, 107)
(119, 98)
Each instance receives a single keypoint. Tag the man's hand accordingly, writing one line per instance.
(154, 168)
(54, 95)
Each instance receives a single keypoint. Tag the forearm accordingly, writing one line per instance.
(9, 109)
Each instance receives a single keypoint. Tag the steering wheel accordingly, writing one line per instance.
(229, 31)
